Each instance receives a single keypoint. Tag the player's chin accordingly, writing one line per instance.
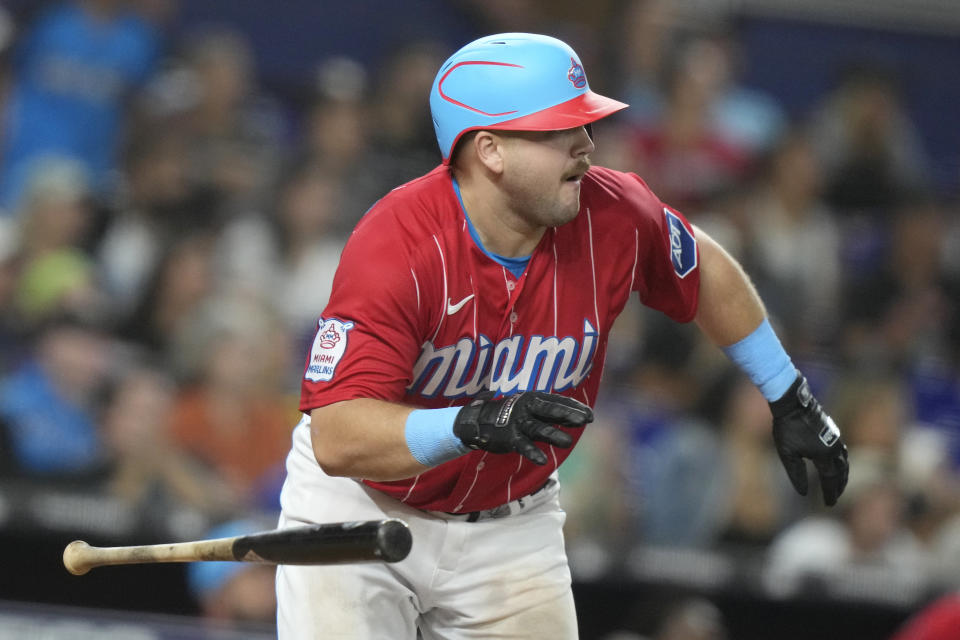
(566, 211)
(570, 198)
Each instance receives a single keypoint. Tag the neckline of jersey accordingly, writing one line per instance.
(515, 266)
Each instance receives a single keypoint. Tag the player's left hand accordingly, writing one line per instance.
(801, 429)
(510, 424)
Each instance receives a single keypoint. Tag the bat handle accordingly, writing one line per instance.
(78, 557)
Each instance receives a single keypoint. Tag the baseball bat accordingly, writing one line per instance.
(335, 543)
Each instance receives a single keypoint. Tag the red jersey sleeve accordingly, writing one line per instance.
(367, 337)
(663, 249)
(667, 277)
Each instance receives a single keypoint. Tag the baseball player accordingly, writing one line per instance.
(455, 364)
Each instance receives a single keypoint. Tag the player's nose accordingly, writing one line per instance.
(582, 143)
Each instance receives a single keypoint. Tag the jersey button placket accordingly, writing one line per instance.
(514, 289)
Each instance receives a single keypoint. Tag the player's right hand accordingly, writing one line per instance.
(510, 424)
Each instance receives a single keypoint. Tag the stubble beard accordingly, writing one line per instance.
(540, 209)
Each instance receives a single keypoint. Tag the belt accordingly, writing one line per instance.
(504, 510)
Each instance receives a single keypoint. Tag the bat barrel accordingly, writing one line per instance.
(374, 540)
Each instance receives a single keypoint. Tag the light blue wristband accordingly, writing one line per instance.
(761, 356)
(429, 434)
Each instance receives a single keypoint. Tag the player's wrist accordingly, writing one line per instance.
(762, 357)
(796, 397)
(430, 437)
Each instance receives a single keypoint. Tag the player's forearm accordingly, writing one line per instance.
(363, 438)
(731, 314)
(729, 308)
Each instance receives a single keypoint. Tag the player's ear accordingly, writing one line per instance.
(489, 150)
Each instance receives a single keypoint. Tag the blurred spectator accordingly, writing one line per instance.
(866, 142)
(794, 245)
(902, 313)
(233, 130)
(53, 274)
(6, 30)
(935, 391)
(753, 498)
(647, 31)
(867, 548)
(701, 464)
(671, 461)
(745, 117)
(614, 145)
(338, 138)
(372, 134)
(233, 415)
(881, 432)
(402, 138)
(873, 408)
(9, 275)
(48, 405)
(156, 207)
(600, 523)
(158, 12)
(56, 282)
(683, 159)
(55, 211)
(74, 69)
(695, 619)
(287, 262)
(337, 121)
(657, 40)
(687, 618)
(234, 593)
(57, 273)
(945, 549)
(181, 281)
(308, 209)
(146, 468)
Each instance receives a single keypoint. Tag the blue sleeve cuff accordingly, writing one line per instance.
(761, 356)
(430, 438)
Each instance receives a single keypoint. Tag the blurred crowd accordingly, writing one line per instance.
(169, 228)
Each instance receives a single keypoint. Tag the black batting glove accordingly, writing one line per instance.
(510, 424)
(801, 430)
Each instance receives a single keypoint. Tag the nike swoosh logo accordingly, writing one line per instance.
(453, 308)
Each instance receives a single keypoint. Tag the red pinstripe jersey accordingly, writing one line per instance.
(419, 314)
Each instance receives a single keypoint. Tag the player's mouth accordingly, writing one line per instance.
(577, 173)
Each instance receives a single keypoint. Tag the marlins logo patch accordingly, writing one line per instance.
(683, 246)
(328, 348)
(576, 75)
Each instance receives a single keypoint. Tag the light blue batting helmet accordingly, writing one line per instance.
(513, 82)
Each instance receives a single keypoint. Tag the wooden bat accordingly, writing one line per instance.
(335, 543)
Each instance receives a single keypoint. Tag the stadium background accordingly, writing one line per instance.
(155, 302)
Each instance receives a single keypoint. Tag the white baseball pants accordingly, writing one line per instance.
(504, 577)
